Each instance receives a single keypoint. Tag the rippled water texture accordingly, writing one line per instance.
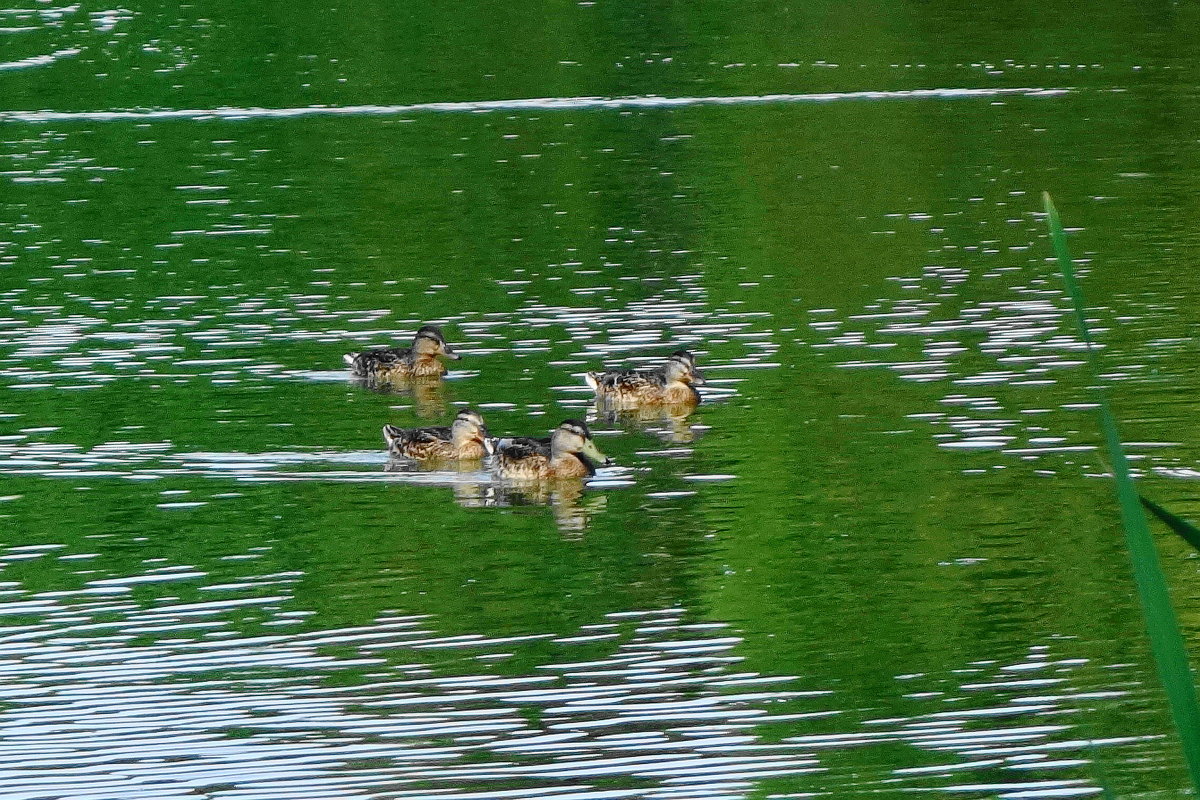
(880, 558)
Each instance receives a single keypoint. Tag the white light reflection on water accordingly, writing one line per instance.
(200, 708)
(232, 339)
(997, 337)
(531, 104)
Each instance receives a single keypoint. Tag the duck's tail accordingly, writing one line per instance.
(350, 358)
(593, 380)
(391, 435)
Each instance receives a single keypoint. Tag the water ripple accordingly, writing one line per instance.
(532, 104)
(199, 708)
(998, 341)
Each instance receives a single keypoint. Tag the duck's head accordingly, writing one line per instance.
(430, 342)
(681, 366)
(573, 436)
(469, 426)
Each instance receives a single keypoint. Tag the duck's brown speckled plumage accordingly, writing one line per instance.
(417, 361)
(673, 383)
(462, 441)
(568, 453)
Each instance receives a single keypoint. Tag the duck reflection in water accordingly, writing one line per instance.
(668, 421)
(572, 511)
(428, 394)
(572, 505)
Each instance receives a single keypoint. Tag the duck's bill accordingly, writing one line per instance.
(592, 452)
(698, 377)
(450, 354)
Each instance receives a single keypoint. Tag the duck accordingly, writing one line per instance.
(674, 383)
(569, 452)
(464, 440)
(418, 361)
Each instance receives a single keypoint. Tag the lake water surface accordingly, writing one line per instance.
(880, 559)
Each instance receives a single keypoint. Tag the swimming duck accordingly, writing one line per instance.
(569, 453)
(419, 360)
(462, 441)
(672, 383)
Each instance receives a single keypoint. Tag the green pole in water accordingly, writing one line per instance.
(1166, 641)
